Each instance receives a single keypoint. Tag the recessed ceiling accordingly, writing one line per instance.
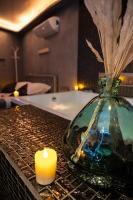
(17, 14)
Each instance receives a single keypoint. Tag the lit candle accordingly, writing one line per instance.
(81, 86)
(76, 87)
(45, 166)
(16, 93)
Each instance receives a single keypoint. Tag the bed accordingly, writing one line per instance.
(48, 79)
(34, 84)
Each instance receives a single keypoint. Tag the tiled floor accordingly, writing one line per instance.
(26, 129)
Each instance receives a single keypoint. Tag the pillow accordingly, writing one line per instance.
(9, 88)
(20, 84)
(37, 88)
(22, 90)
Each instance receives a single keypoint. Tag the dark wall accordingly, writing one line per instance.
(129, 69)
(88, 66)
(62, 58)
(8, 41)
(69, 57)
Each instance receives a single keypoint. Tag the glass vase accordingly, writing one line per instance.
(99, 141)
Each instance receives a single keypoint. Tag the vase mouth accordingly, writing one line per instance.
(109, 87)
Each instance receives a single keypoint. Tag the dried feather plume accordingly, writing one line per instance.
(94, 51)
(116, 38)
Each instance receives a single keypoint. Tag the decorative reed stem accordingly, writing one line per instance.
(116, 38)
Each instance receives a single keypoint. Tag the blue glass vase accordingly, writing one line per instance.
(99, 141)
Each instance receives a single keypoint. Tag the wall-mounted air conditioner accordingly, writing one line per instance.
(48, 28)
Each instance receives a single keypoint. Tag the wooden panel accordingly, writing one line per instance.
(2, 59)
(43, 51)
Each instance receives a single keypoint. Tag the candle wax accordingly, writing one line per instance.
(45, 166)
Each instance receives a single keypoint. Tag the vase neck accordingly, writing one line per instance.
(109, 87)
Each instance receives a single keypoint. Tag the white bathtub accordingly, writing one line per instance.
(64, 104)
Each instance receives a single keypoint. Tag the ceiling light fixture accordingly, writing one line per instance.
(23, 19)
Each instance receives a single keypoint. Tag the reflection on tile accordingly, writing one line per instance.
(31, 129)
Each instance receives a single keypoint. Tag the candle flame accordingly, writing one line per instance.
(122, 78)
(76, 87)
(45, 153)
(81, 86)
(16, 93)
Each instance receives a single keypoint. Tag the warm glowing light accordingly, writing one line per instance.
(45, 153)
(81, 86)
(60, 107)
(17, 108)
(45, 166)
(25, 19)
(122, 78)
(76, 87)
(82, 154)
(16, 93)
(9, 25)
(27, 15)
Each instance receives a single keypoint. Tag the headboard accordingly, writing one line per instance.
(49, 79)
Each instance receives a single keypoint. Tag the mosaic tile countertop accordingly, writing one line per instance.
(26, 129)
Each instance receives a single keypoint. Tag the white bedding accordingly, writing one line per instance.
(5, 95)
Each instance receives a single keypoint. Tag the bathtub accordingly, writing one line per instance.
(65, 104)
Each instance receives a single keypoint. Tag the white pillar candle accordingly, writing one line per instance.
(45, 166)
